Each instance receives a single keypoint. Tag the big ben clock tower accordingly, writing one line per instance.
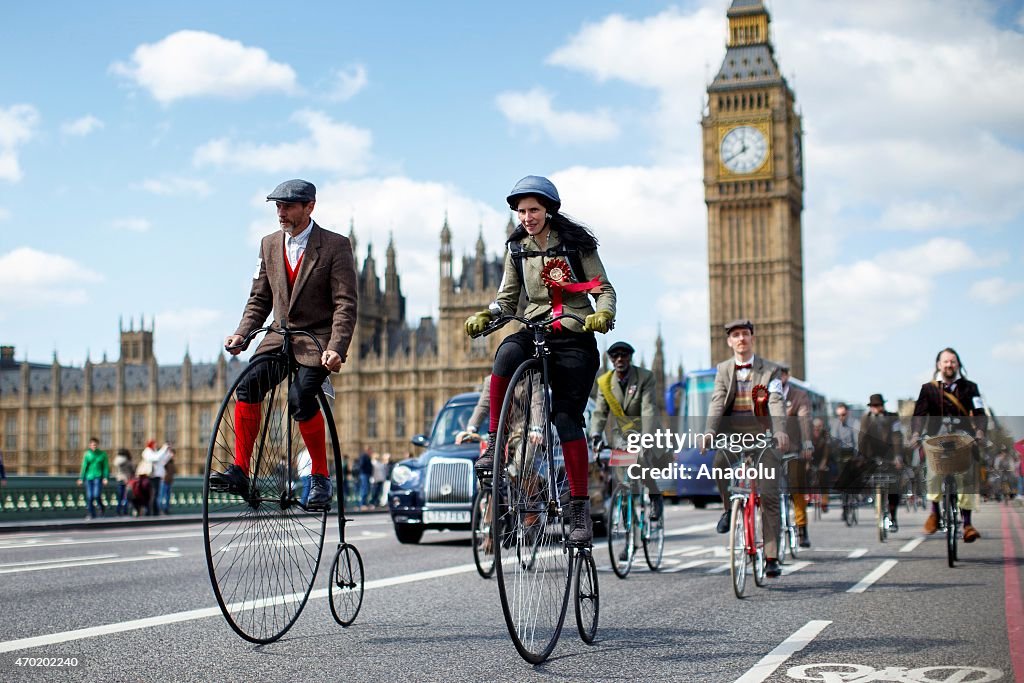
(753, 187)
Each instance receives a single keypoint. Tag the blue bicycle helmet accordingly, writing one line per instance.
(538, 186)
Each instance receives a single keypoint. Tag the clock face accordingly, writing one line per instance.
(744, 149)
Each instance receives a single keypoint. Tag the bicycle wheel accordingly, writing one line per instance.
(783, 538)
(881, 511)
(587, 597)
(654, 541)
(621, 541)
(483, 553)
(758, 557)
(346, 586)
(739, 559)
(949, 516)
(263, 549)
(532, 561)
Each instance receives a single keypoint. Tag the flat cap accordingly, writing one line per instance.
(293, 191)
(741, 322)
(620, 346)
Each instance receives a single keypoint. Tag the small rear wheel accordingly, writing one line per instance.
(346, 586)
(588, 600)
(483, 549)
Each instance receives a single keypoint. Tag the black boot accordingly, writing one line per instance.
(484, 466)
(581, 533)
(801, 531)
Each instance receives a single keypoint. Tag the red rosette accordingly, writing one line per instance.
(556, 273)
(759, 399)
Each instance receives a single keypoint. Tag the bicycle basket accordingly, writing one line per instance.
(948, 453)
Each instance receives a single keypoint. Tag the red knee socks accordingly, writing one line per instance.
(247, 428)
(576, 463)
(499, 385)
(314, 435)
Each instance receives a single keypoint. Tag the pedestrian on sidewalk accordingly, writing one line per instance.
(124, 470)
(164, 501)
(95, 471)
(157, 458)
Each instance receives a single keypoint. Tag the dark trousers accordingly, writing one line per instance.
(572, 365)
(302, 403)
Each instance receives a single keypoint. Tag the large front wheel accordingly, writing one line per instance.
(530, 555)
(262, 548)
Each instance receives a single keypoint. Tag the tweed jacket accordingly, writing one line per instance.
(724, 394)
(538, 297)
(637, 401)
(322, 301)
(798, 417)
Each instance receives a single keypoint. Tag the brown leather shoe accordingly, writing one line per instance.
(971, 534)
(931, 525)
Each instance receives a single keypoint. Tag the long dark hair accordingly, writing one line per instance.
(572, 232)
(948, 349)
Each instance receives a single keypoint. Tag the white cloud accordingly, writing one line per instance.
(199, 64)
(995, 291)
(176, 186)
(30, 277)
(347, 83)
(81, 127)
(132, 224)
(331, 146)
(1011, 351)
(856, 307)
(534, 110)
(18, 124)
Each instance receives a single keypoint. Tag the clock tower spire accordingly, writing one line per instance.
(753, 188)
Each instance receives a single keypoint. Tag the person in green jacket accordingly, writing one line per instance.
(95, 471)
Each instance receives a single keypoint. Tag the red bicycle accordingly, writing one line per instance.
(746, 533)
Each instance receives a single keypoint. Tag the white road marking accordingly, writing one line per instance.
(191, 615)
(788, 569)
(90, 561)
(877, 573)
(693, 529)
(687, 565)
(910, 545)
(787, 648)
(719, 569)
(859, 552)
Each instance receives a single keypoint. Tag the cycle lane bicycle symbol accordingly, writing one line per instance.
(860, 673)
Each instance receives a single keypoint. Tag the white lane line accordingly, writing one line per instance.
(685, 550)
(910, 545)
(687, 565)
(88, 562)
(719, 569)
(788, 569)
(877, 573)
(859, 552)
(30, 563)
(191, 615)
(786, 649)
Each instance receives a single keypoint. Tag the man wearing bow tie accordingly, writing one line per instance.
(306, 276)
(732, 399)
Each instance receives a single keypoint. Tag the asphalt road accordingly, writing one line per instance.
(136, 605)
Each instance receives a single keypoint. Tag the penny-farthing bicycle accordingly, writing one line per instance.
(535, 565)
(263, 548)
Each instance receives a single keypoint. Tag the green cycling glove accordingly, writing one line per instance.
(597, 322)
(477, 323)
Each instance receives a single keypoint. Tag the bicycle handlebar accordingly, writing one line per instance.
(284, 331)
(501, 321)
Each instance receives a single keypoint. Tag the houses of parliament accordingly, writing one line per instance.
(395, 380)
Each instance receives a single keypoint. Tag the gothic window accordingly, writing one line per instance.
(138, 428)
(106, 429)
(205, 425)
(371, 418)
(42, 431)
(10, 433)
(74, 431)
(399, 418)
(171, 425)
(428, 414)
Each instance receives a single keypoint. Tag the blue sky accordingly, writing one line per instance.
(137, 143)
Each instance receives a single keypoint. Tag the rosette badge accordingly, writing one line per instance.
(557, 275)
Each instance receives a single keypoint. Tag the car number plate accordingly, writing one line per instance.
(446, 516)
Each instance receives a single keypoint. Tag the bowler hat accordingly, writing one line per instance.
(876, 400)
(783, 365)
(293, 191)
(619, 347)
(741, 322)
